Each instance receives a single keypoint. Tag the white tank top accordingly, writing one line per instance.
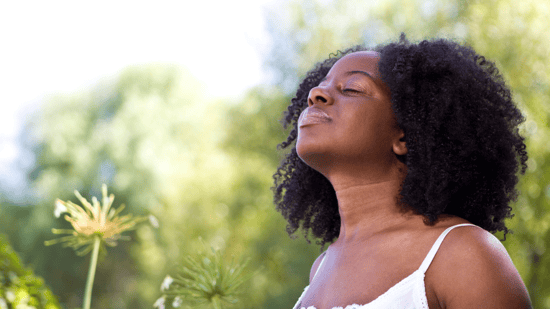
(409, 293)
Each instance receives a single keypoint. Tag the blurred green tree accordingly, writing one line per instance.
(202, 167)
(137, 133)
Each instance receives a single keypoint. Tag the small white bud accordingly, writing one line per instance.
(177, 302)
(159, 303)
(154, 222)
(166, 283)
(59, 208)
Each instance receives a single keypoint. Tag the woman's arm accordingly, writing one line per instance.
(473, 270)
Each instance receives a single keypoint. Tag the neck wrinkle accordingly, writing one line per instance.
(367, 209)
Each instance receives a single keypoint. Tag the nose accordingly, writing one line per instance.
(319, 95)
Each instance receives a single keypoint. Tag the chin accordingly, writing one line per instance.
(316, 160)
(315, 152)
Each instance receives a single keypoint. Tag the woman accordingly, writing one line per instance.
(407, 156)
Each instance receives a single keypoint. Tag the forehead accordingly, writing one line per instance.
(358, 61)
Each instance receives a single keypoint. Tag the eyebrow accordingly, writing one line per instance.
(352, 73)
(359, 72)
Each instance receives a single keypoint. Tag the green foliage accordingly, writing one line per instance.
(206, 279)
(19, 287)
(138, 134)
(202, 167)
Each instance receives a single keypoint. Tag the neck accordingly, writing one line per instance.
(368, 207)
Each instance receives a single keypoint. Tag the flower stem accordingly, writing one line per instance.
(216, 302)
(91, 274)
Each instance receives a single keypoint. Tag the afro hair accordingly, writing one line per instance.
(461, 132)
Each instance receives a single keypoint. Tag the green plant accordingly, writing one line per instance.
(95, 227)
(19, 287)
(205, 280)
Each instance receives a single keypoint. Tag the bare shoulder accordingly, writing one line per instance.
(472, 269)
(315, 266)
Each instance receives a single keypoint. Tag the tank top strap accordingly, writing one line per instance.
(299, 302)
(428, 260)
(320, 264)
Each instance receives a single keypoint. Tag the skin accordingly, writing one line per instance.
(380, 242)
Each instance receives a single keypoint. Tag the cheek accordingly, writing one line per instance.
(370, 131)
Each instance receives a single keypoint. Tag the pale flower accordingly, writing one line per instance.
(92, 220)
(159, 303)
(154, 222)
(166, 283)
(177, 302)
(10, 296)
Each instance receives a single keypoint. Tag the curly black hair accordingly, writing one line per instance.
(461, 131)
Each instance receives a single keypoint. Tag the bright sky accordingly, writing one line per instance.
(54, 46)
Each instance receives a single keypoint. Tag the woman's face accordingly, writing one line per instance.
(349, 121)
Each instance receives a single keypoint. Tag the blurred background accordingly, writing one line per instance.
(175, 105)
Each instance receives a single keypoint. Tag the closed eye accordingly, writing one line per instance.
(350, 90)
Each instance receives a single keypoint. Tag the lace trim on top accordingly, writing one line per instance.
(414, 282)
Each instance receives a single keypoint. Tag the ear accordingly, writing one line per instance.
(399, 145)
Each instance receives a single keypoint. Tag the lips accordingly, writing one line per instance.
(311, 116)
